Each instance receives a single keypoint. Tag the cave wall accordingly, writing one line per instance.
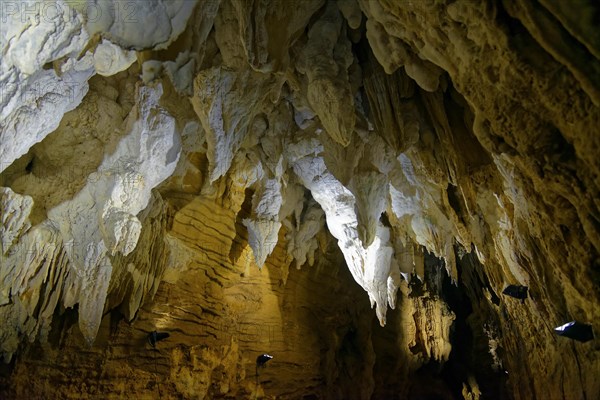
(221, 311)
(241, 173)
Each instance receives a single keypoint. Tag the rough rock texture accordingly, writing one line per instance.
(240, 173)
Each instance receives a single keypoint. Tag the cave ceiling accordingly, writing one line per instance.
(348, 185)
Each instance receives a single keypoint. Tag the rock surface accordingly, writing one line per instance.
(238, 174)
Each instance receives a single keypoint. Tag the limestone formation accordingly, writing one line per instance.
(237, 174)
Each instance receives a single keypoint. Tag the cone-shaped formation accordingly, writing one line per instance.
(576, 330)
(516, 291)
(155, 336)
(262, 359)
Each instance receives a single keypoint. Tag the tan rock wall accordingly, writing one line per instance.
(221, 313)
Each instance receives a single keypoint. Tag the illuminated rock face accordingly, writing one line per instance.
(240, 174)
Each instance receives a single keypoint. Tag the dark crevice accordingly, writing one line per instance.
(456, 368)
(519, 38)
(454, 199)
(470, 356)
